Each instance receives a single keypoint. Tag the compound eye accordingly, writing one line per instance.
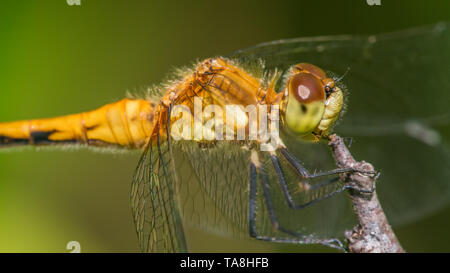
(307, 88)
(310, 68)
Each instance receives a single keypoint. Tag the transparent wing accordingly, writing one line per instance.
(154, 203)
(214, 186)
(317, 216)
(398, 112)
(214, 195)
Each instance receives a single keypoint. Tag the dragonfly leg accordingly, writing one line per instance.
(305, 173)
(324, 183)
(290, 199)
(296, 238)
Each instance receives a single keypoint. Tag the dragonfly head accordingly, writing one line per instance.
(311, 102)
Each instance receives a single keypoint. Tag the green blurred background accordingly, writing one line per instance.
(58, 59)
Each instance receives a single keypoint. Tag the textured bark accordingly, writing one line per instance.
(373, 234)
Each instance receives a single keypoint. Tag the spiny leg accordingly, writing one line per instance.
(297, 237)
(252, 202)
(306, 175)
(268, 201)
(304, 172)
(286, 192)
(290, 200)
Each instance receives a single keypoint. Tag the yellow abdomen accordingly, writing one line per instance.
(126, 123)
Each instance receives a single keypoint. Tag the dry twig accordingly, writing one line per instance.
(373, 234)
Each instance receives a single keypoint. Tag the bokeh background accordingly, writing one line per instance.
(58, 59)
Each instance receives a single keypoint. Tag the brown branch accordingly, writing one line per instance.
(373, 233)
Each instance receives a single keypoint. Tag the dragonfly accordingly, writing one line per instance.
(389, 93)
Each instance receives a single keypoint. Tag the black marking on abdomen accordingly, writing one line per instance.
(8, 141)
(43, 138)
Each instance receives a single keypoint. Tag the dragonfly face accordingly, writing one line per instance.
(311, 103)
